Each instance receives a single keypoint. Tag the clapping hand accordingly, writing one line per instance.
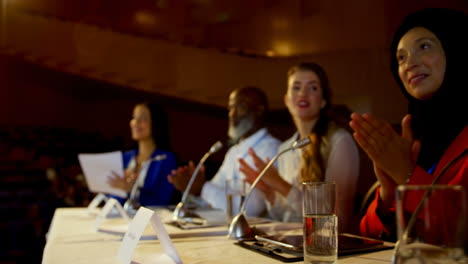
(251, 174)
(180, 178)
(124, 182)
(268, 184)
(394, 156)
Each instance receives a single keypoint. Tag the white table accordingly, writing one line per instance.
(72, 239)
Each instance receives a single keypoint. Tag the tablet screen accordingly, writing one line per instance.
(289, 248)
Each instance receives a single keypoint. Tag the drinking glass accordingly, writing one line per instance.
(431, 223)
(320, 222)
(235, 195)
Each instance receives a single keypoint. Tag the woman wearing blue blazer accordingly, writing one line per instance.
(147, 166)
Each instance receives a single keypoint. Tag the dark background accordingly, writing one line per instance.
(48, 117)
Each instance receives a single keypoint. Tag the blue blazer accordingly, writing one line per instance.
(156, 190)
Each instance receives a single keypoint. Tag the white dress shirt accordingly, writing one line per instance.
(342, 168)
(213, 192)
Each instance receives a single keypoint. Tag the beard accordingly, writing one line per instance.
(235, 132)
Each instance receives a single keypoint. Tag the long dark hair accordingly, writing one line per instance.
(159, 126)
(437, 121)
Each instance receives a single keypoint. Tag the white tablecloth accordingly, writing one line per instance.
(72, 239)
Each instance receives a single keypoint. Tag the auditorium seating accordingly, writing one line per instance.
(39, 171)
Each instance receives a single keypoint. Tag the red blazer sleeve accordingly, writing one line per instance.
(371, 225)
(457, 173)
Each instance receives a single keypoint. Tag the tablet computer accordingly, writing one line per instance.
(289, 248)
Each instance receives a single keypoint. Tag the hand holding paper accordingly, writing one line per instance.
(124, 182)
(98, 167)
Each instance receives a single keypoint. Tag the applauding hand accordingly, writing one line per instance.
(394, 156)
(271, 181)
(180, 178)
(124, 182)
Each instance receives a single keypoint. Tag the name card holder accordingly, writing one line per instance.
(97, 200)
(110, 204)
(134, 233)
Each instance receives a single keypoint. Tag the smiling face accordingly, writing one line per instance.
(140, 124)
(421, 63)
(304, 96)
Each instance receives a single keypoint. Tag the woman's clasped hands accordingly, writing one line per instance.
(394, 156)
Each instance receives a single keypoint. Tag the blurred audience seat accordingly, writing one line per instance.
(39, 171)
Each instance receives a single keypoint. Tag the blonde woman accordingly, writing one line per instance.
(332, 156)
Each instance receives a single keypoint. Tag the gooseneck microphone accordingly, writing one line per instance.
(132, 204)
(239, 229)
(180, 210)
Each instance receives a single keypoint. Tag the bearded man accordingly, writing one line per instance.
(247, 107)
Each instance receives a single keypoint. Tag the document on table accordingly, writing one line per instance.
(98, 167)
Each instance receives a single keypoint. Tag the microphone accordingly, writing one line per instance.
(239, 229)
(180, 210)
(132, 204)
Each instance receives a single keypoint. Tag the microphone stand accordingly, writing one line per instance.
(181, 211)
(239, 228)
(132, 204)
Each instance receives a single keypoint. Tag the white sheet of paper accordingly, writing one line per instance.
(111, 203)
(98, 167)
(134, 232)
(96, 202)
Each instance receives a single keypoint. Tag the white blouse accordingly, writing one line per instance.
(342, 168)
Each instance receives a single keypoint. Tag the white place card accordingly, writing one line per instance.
(111, 203)
(100, 197)
(134, 232)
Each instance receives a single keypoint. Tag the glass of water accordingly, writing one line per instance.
(320, 222)
(431, 223)
(235, 195)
